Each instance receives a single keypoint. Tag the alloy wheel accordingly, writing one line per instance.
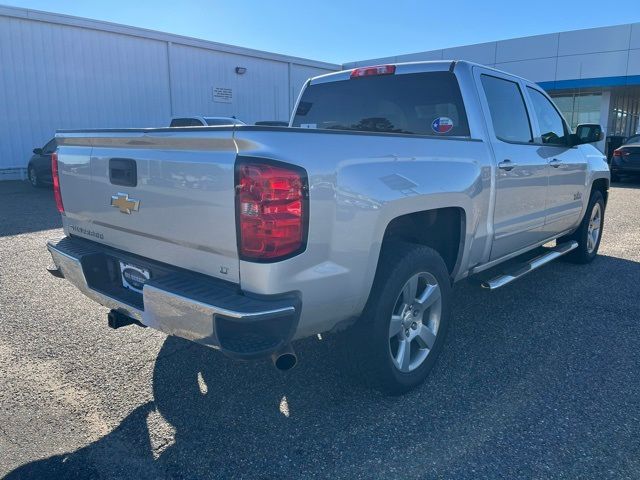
(415, 321)
(593, 231)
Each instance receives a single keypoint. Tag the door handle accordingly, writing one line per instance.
(555, 163)
(507, 165)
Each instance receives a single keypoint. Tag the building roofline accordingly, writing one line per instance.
(101, 25)
(351, 64)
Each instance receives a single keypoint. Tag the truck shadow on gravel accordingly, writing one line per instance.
(526, 385)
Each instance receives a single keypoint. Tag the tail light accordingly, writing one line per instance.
(617, 152)
(272, 210)
(372, 71)
(56, 182)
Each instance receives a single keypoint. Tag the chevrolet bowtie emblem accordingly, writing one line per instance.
(124, 203)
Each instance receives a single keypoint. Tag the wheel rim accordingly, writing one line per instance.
(415, 322)
(33, 178)
(593, 231)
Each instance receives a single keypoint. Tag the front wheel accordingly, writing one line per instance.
(589, 233)
(400, 334)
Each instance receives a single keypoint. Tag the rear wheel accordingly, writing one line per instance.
(34, 180)
(395, 343)
(589, 233)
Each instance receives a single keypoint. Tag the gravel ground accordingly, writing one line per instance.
(538, 380)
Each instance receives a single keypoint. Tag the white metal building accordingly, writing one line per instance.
(58, 71)
(593, 74)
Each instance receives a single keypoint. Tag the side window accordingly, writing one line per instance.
(552, 129)
(50, 147)
(508, 111)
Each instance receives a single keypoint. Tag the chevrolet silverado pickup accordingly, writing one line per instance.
(391, 183)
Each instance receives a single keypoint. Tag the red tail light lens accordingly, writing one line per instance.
(617, 152)
(272, 210)
(56, 182)
(371, 71)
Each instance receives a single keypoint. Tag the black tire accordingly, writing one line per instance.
(367, 349)
(585, 254)
(34, 179)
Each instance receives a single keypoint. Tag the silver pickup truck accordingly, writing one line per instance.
(391, 183)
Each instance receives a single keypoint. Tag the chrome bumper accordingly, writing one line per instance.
(202, 309)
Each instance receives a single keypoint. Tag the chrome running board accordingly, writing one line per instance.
(530, 266)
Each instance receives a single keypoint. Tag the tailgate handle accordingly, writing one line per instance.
(123, 171)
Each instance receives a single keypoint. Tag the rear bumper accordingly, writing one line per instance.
(181, 303)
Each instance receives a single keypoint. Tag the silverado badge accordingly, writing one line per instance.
(124, 203)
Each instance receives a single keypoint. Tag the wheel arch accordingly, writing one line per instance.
(602, 185)
(443, 229)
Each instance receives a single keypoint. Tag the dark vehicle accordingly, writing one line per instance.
(39, 170)
(273, 123)
(626, 158)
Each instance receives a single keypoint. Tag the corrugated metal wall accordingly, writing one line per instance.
(59, 72)
(259, 94)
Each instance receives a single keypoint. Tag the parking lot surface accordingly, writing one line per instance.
(540, 379)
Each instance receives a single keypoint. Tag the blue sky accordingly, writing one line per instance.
(339, 31)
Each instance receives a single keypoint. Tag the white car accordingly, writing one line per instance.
(198, 121)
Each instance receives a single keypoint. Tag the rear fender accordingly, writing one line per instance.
(369, 195)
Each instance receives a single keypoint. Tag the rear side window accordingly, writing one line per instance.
(508, 111)
(50, 147)
(185, 122)
(415, 103)
(552, 129)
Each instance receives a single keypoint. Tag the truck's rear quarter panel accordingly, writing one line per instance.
(359, 182)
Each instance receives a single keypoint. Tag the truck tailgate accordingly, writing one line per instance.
(178, 209)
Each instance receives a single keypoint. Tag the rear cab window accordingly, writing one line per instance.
(428, 103)
(50, 147)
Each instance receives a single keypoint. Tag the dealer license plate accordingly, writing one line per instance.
(134, 277)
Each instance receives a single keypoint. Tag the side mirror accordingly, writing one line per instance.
(37, 151)
(587, 133)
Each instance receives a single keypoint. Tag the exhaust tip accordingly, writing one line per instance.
(284, 359)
